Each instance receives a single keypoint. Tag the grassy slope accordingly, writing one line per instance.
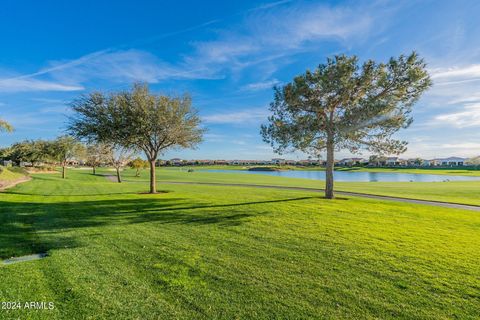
(206, 252)
(467, 192)
(8, 175)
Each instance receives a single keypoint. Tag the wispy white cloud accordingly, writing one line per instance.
(26, 84)
(48, 100)
(115, 66)
(468, 117)
(279, 32)
(436, 149)
(124, 66)
(213, 137)
(456, 97)
(257, 86)
(246, 116)
(266, 33)
(456, 74)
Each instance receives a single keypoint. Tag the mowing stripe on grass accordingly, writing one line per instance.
(344, 193)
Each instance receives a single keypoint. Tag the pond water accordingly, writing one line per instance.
(355, 176)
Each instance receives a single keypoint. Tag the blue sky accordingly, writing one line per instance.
(228, 55)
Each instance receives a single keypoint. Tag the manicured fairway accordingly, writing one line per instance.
(215, 252)
(455, 171)
(466, 192)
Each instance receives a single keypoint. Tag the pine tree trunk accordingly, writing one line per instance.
(119, 179)
(329, 169)
(153, 182)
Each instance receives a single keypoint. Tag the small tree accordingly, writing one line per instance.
(138, 164)
(119, 158)
(342, 105)
(137, 120)
(63, 149)
(98, 154)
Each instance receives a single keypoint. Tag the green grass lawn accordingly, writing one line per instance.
(208, 252)
(466, 192)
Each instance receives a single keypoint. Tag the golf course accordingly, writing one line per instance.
(232, 252)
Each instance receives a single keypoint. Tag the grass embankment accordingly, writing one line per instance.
(466, 192)
(11, 174)
(217, 252)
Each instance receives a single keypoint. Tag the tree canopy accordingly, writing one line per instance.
(138, 164)
(63, 149)
(343, 105)
(139, 120)
(98, 154)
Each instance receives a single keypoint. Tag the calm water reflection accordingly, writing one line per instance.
(355, 176)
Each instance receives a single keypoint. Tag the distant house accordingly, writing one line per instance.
(176, 162)
(432, 162)
(7, 163)
(395, 161)
(453, 161)
(239, 162)
(310, 162)
(278, 161)
(445, 162)
(351, 161)
(414, 162)
(203, 162)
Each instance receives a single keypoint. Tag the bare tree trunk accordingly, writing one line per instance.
(329, 169)
(94, 170)
(119, 179)
(153, 182)
(64, 171)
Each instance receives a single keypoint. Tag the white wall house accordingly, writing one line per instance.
(453, 161)
(351, 161)
(448, 162)
(395, 161)
(176, 161)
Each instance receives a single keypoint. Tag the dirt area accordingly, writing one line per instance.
(37, 172)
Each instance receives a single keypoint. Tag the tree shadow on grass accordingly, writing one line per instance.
(31, 227)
